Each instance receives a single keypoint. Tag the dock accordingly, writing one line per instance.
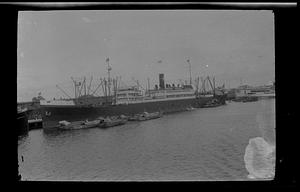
(24, 124)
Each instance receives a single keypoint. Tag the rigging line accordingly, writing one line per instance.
(89, 87)
(63, 91)
(97, 87)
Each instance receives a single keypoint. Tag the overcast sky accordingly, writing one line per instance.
(54, 46)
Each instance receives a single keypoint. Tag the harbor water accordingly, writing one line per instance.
(199, 145)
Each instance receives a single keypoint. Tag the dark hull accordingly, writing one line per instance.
(245, 99)
(22, 123)
(77, 113)
(213, 105)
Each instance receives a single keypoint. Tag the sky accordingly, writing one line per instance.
(53, 46)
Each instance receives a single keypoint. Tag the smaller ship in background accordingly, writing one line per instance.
(246, 93)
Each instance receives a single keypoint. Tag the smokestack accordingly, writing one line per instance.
(161, 81)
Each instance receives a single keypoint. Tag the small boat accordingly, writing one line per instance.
(111, 122)
(250, 99)
(134, 117)
(212, 105)
(78, 124)
(190, 108)
(145, 116)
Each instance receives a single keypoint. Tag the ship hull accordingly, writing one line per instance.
(78, 113)
(22, 123)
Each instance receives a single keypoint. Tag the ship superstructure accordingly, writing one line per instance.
(134, 95)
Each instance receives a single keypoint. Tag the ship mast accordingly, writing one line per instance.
(75, 87)
(81, 84)
(214, 86)
(211, 85)
(148, 86)
(108, 73)
(105, 89)
(197, 86)
(190, 71)
(84, 87)
(89, 87)
(115, 89)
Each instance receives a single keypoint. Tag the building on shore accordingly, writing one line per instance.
(261, 92)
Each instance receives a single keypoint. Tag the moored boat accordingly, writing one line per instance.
(245, 99)
(190, 108)
(105, 123)
(250, 99)
(78, 124)
(212, 103)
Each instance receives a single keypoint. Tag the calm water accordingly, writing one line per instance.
(205, 144)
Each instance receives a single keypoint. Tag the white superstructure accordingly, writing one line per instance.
(133, 95)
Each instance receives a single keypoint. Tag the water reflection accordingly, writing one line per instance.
(197, 145)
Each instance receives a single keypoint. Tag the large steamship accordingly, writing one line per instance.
(165, 98)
